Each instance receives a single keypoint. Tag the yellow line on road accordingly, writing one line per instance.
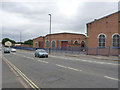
(22, 75)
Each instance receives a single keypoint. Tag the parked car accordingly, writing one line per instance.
(41, 53)
(13, 50)
(6, 50)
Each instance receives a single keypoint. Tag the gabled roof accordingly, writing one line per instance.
(103, 17)
(39, 37)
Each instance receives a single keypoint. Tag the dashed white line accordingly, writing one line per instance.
(68, 67)
(81, 60)
(111, 78)
(61, 66)
(42, 61)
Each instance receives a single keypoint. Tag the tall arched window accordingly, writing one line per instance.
(83, 44)
(116, 40)
(36, 44)
(102, 40)
(53, 44)
(76, 42)
(47, 43)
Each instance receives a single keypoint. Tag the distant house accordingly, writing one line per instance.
(8, 43)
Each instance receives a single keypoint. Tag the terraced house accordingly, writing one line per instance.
(61, 40)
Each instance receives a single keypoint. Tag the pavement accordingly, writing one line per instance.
(113, 58)
(61, 71)
(9, 80)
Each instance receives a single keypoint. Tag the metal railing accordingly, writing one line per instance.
(108, 51)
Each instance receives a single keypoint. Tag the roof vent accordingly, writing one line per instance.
(95, 19)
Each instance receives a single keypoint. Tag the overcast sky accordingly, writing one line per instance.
(32, 20)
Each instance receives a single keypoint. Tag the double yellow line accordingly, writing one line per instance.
(22, 74)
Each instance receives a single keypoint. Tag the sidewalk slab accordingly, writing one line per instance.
(110, 58)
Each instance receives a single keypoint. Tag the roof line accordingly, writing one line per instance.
(103, 17)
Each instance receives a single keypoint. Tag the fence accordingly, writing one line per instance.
(108, 51)
(25, 48)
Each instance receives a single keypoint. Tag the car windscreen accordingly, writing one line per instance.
(7, 49)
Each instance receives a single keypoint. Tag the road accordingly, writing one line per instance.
(64, 72)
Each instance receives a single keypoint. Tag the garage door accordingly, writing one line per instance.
(64, 44)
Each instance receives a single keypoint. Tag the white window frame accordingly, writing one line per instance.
(48, 44)
(99, 42)
(75, 41)
(52, 43)
(113, 36)
(36, 44)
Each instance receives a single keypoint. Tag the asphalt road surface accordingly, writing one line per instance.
(63, 72)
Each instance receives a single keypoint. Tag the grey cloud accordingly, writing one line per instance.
(37, 13)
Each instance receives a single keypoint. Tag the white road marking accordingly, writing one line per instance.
(68, 67)
(73, 59)
(78, 59)
(42, 61)
(61, 66)
(111, 78)
(74, 69)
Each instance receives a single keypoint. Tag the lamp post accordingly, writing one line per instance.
(20, 37)
(50, 34)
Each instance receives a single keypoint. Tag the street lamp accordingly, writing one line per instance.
(50, 34)
(20, 37)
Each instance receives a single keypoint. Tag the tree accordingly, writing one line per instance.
(7, 39)
(29, 42)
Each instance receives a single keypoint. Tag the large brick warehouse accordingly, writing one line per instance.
(104, 35)
(61, 40)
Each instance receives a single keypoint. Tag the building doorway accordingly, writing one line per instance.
(40, 44)
(64, 44)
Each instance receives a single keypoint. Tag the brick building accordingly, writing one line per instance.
(60, 40)
(104, 33)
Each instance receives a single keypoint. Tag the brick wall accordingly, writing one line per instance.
(107, 25)
(59, 37)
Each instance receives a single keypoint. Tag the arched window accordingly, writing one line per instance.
(83, 44)
(53, 44)
(116, 40)
(36, 44)
(102, 40)
(47, 43)
(76, 42)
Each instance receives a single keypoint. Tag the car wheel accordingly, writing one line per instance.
(39, 56)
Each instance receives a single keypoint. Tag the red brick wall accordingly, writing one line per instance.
(36, 40)
(61, 37)
(107, 25)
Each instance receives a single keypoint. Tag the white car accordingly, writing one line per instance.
(13, 50)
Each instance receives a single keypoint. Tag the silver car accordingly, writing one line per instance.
(6, 50)
(41, 53)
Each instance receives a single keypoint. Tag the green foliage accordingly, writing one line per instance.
(7, 39)
(29, 42)
(19, 43)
